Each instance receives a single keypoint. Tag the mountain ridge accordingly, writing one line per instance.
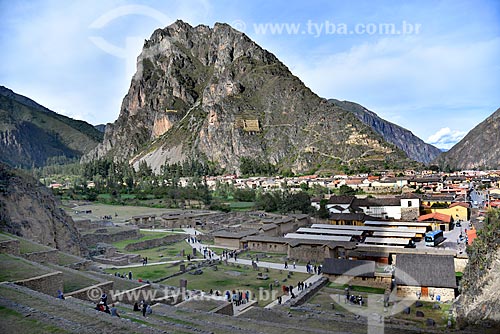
(33, 135)
(412, 145)
(480, 148)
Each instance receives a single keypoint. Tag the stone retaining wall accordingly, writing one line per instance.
(48, 283)
(82, 265)
(91, 293)
(118, 260)
(100, 236)
(133, 295)
(147, 244)
(446, 294)
(379, 281)
(10, 247)
(226, 309)
(50, 256)
(309, 292)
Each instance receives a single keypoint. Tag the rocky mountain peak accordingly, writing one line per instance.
(214, 95)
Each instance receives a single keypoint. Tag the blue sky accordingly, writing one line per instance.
(438, 80)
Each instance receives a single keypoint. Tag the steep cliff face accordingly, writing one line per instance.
(28, 209)
(31, 134)
(479, 302)
(212, 94)
(413, 146)
(480, 148)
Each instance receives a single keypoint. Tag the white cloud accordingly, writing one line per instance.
(396, 77)
(446, 138)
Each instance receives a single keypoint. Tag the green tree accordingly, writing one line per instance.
(346, 190)
(323, 212)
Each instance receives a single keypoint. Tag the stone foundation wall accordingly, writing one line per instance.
(83, 265)
(133, 295)
(225, 242)
(268, 247)
(460, 263)
(10, 247)
(147, 244)
(123, 260)
(381, 282)
(306, 253)
(226, 309)
(409, 214)
(48, 283)
(309, 292)
(92, 293)
(50, 256)
(446, 294)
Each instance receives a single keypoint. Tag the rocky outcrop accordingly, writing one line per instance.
(32, 135)
(29, 210)
(413, 146)
(479, 302)
(214, 95)
(480, 148)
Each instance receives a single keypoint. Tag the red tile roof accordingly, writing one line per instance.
(471, 235)
(435, 216)
(465, 205)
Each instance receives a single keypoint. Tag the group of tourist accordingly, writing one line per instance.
(102, 306)
(313, 268)
(227, 254)
(124, 275)
(143, 307)
(144, 261)
(238, 297)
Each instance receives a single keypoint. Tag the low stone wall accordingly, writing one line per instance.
(10, 247)
(82, 265)
(50, 256)
(48, 283)
(109, 236)
(133, 295)
(92, 293)
(309, 292)
(446, 294)
(379, 281)
(118, 260)
(226, 309)
(147, 244)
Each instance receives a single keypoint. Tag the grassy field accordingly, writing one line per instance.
(356, 288)
(164, 253)
(119, 213)
(241, 206)
(440, 316)
(4, 237)
(265, 257)
(64, 259)
(14, 269)
(147, 272)
(26, 246)
(14, 320)
(232, 277)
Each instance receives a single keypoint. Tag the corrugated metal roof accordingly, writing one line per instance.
(328, 231)
(387, 241)
(318, 237)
